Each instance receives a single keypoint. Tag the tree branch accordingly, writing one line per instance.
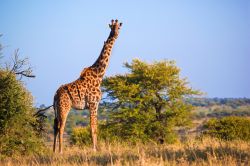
(39, 112)
(20, 67)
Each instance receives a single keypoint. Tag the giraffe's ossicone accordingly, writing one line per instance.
(84, 93)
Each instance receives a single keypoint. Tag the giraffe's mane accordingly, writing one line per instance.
(84, 71)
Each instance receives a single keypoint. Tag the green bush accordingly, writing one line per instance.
(18, 126)
(229, 128)
(81, 136)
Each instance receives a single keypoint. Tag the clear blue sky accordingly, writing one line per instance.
(209, 40)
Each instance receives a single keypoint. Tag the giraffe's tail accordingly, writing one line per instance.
(56, 120)
(56, 125)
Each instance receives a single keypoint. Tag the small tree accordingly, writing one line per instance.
(147, 103)
(81, 136)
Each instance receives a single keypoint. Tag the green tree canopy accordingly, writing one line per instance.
(147, 102)
(18, 126)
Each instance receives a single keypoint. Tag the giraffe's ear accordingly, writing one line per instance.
(110, 26)
(120, 24)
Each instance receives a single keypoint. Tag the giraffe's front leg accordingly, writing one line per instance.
(93, 107)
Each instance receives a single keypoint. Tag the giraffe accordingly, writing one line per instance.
(84, 93)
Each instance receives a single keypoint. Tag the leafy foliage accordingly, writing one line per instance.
(18, 134)
(229, 128)
(147, 103)
(81, 136)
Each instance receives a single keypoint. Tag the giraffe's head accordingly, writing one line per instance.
(115, 26)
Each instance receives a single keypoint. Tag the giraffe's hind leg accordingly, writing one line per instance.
(61, 130)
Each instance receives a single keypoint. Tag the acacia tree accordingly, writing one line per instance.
(147, 103)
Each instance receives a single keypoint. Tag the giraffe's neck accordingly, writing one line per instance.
(101, 63)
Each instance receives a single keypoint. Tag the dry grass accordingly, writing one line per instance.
(193, 152)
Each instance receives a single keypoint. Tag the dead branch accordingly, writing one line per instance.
(20, 67)
(41, 111)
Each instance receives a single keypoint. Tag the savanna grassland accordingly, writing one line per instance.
(191, 149)
(207, 151)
